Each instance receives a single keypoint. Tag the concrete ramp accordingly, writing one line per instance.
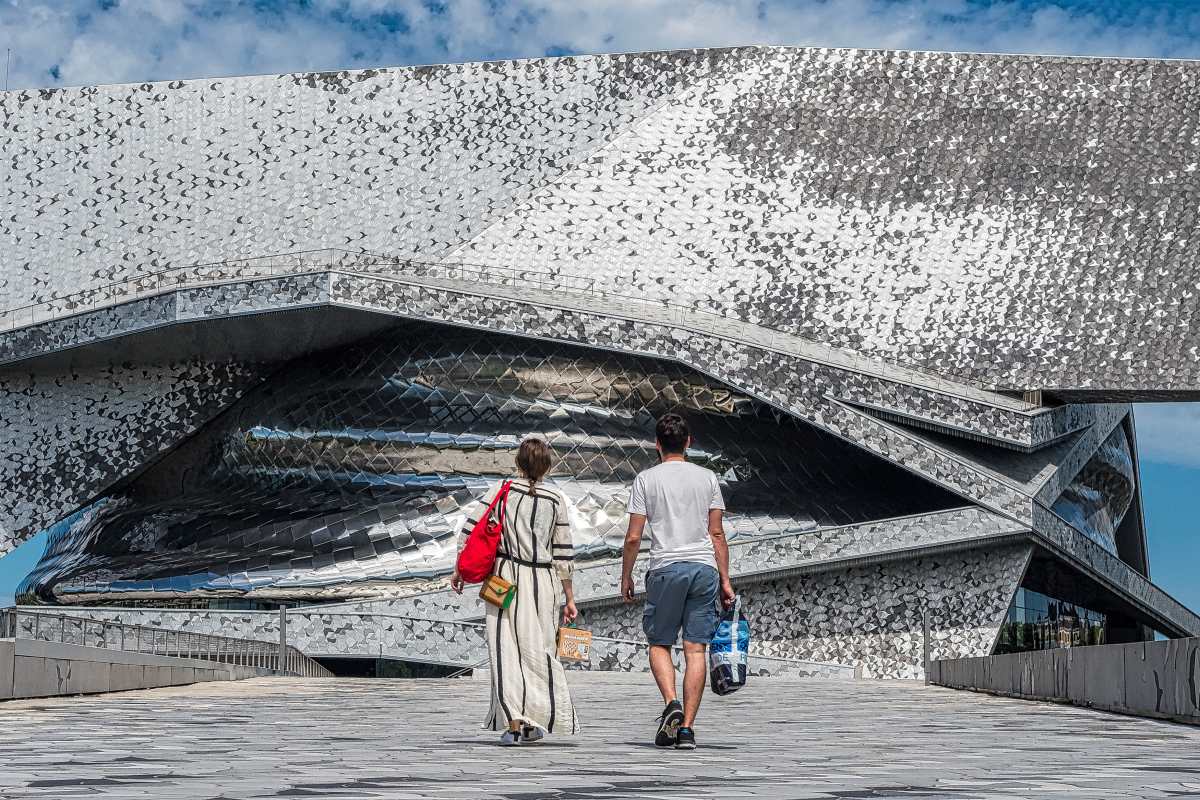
(44, 655)
(30, 668)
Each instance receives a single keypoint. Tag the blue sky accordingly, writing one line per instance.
(1171, 505)
(68, 42)
(58, 42)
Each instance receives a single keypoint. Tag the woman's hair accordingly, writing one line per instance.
(533, 459)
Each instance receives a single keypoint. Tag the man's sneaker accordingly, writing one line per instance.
(685, 739)
(510, 738)
(668, 724)
(530, 734)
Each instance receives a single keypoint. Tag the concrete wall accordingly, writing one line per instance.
(45, 669)
(1150, 679)
(7, 663)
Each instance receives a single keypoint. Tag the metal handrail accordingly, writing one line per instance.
(372, 264)
(68, 629)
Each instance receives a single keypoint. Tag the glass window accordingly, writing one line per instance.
(1038, 622)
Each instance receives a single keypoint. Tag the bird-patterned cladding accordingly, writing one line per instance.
(1026, 220)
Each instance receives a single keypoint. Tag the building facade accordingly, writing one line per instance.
(263, 340)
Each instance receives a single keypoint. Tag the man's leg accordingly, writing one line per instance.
(700, 621)
(664, 671)
(661, 621)
(693, 680)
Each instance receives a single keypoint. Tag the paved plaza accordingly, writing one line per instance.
(781, 738)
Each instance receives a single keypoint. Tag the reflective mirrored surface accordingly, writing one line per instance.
(349, 471)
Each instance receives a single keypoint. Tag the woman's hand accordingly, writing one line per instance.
(570, 612)
(456, 582)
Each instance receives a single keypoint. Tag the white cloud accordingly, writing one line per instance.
(101, 41)
(1169, 433)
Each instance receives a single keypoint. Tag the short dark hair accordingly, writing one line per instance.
(672, 433)
(533, 459)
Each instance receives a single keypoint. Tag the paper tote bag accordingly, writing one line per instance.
(574, 644)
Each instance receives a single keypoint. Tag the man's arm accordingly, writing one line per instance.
(716, 531)
(633, 545)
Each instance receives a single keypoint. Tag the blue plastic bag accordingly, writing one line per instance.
(727, 651)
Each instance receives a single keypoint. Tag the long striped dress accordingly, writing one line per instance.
(536, 553)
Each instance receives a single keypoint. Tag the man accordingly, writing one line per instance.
(689, 565)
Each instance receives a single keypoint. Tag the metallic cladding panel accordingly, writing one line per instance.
(1020, 219)
(1097, 500)
(871, 616)
(751, 560)
(781, 381)
(1100, 563)
(910, 394)
(799, 386)
(868, 615)
(356, 465)
(69, 433)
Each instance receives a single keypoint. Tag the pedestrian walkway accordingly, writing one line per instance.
(780, 738)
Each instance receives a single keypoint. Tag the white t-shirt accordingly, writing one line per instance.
(675, 497)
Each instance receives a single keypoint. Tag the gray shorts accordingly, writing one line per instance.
(681, 595)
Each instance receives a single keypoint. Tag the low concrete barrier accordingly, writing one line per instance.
(30, 668)
(1149, 679)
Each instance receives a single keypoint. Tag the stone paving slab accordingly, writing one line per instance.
(780, 738)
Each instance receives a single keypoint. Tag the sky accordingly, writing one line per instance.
(71, 42)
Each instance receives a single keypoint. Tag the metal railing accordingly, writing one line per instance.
(466, 647)
(48, 627)
(564, 284)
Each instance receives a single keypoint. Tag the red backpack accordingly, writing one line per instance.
(478, 558)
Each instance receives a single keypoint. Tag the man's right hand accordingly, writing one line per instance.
(627, 588)
(457, 582)
(727, 593)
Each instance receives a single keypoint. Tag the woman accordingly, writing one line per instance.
(529, 686)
